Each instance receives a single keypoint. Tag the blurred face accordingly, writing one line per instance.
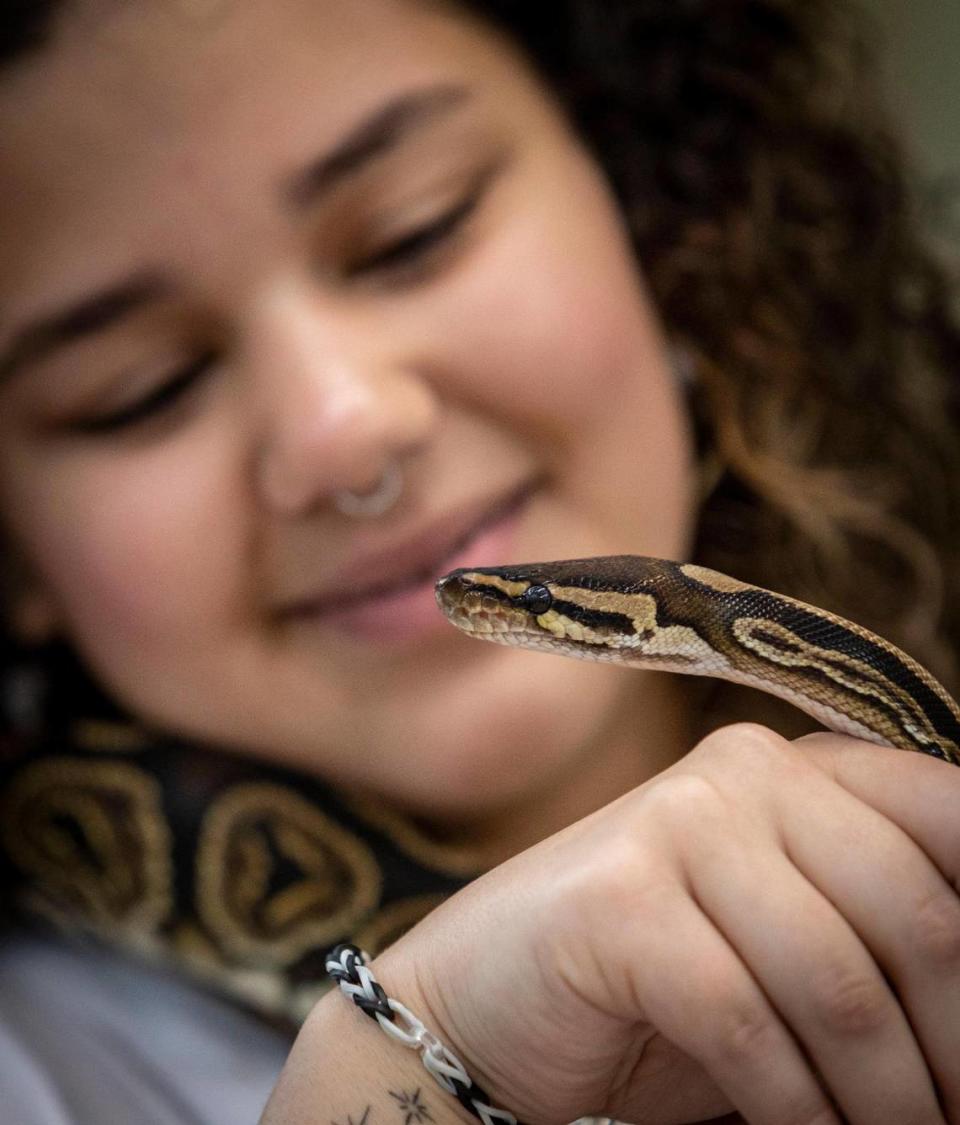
(257, 254)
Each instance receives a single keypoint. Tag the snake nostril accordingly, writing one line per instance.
(453, 588)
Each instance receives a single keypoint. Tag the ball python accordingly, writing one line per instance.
(680, 617)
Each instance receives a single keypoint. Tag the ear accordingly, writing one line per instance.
(33, 618)
(30, 610)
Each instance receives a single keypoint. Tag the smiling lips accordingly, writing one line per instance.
(388, 595)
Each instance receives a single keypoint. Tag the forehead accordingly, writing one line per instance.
(139, 109)
(156, 64)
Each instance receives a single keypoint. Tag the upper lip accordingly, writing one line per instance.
(406, 560)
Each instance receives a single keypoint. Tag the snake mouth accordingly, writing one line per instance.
(489, 609)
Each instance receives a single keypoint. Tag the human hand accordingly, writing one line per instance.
(766, 926)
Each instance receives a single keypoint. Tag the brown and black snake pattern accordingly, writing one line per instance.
(679, 617)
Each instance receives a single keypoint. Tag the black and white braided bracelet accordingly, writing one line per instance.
(347, 965)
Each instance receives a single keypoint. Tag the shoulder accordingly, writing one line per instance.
(88, 1035)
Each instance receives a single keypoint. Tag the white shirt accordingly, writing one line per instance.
(88, 1037)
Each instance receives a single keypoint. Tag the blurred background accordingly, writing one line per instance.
(921, 52)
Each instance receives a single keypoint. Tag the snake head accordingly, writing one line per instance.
(546, 606)
(491, 602)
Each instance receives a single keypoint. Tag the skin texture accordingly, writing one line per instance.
(522, 349)
(758, 924)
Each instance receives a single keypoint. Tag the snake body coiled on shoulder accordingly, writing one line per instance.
(680, 617)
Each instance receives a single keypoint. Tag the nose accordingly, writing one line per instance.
(340, 405)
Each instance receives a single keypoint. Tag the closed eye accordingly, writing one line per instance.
(162, 398)
(419, 242)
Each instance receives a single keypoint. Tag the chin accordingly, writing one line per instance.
(490, 757)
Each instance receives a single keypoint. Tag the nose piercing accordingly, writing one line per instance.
(376, 501)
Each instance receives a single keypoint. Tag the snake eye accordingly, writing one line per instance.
(536, 600)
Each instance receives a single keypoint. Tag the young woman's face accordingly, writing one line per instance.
(255, 253)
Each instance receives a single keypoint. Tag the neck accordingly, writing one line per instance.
(650, 730)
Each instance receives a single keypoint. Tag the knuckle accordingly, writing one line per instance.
(744, 745)
(626, 877)
(682, 798)
(936, 930)
(748, 1034)
(744, 735)
(851, 1004)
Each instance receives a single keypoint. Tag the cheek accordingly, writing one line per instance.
(570, 353)
(555, 323)
(130, 558)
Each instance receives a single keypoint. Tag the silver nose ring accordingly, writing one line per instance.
(376, 501)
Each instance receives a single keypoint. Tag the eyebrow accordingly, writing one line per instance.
(375, 136)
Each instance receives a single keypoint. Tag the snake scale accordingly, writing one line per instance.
(680, 617)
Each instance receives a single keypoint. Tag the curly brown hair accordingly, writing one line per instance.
(772, 213)
(772, 216)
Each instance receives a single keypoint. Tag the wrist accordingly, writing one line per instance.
(358, 981)
(344, 1070)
